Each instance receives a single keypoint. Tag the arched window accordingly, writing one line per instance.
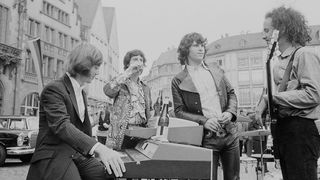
(30, 105)
(1, 96)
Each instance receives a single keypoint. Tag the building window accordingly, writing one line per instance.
(243, 77)
(53, 35)
(242, 43)
(244, 97)
(3, 23)
(256, 94)
(59, 68)
(60, 39)
(47, 66)
(29, 65)
(30, 105)
(257, 76)
(256, 60)
(33, 28)
(243, 61)
(49, 34)
(63, 40)
(50, 67)
(55, 13)
(74, 42)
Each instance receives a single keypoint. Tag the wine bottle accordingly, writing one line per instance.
(163, 123)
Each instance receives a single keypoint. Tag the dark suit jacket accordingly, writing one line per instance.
(186, 99)
(61, 132)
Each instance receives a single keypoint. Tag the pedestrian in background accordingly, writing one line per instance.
(104, 124)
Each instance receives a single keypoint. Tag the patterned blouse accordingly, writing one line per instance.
(137, 116)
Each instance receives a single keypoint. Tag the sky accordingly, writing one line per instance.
(153, 26)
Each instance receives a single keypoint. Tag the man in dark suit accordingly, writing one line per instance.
(64, 148)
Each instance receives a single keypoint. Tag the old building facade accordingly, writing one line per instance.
(99, 28)
(11, 12)
(59, 25)
(242, 57)
(161, 74)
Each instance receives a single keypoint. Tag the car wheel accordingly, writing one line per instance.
(3, 155)
(26, 158)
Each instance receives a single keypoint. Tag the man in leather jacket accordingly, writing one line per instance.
(202, 94)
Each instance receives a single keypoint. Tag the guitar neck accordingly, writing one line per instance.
(271, 106)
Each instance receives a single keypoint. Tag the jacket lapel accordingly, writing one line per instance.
(217, 77)
(72, 95)
(186, 82)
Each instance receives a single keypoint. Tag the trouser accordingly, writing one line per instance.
(299, 148)
(88, 169)
(227, 149)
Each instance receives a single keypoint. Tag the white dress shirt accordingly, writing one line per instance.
(80, 103)
(205, 85)
(79, 97)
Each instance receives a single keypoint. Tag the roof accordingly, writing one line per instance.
(250, 41)
(168, 57)
(243, 41)
(87, 10)
(108, 15)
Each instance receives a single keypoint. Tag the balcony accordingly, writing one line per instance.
(54, 51)
(9, 57)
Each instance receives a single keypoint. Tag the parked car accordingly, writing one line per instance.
(18, 136)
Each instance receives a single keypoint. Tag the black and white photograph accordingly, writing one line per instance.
(159, 90)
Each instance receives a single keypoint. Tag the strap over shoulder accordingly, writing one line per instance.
(285, 78)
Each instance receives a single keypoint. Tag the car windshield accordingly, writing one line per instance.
(18, 124)
(3, 123)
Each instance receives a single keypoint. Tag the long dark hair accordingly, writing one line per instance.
(186, 43)
(291, 24)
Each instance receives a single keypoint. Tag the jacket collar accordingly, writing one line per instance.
(71, 93)
(187, 83)
(288, 52)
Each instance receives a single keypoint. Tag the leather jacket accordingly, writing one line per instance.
(186, 99)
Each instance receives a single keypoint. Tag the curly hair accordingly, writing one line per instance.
(129, 55)
(291, 24)
(186, 43)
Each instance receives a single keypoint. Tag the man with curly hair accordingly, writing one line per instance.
(298, 100)
(201, 93)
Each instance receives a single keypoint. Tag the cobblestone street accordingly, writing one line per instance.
(14, 169)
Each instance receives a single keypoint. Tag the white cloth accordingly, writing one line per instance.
(79, 97)
(205, 85)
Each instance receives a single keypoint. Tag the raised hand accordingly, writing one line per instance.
(135, 68)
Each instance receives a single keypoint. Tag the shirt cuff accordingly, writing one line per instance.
(91, 152)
